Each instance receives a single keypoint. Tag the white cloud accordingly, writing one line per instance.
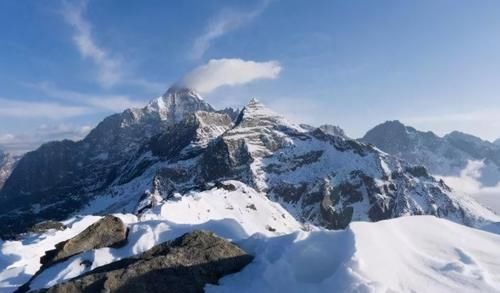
(109, 67)
(226, 21)
(220, 72)
(468, 182)
(28, 109)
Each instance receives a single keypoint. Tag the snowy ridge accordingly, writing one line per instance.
(235, 215)
(408, 254)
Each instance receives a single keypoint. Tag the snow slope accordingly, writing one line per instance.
(419, 253)
(235, 215)
(408, 254)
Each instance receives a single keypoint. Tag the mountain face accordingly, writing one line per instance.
(446, 156)
(179, 144)
(497, 142)
(60, 177)
(7, 164)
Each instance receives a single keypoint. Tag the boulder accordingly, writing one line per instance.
(45, 226)
(108, 231)
(185, 264)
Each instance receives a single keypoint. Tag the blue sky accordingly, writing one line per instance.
(434, 64)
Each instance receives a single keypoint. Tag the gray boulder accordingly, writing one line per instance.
(109, 231)
(45, 226)
(185, 264)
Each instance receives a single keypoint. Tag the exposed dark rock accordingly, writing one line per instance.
(109, 231)
(417, 171)
(46, 226)
(185, 264)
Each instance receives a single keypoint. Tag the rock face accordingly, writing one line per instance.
(7, 164)
(446, 156)
(185, 264)
(109, 231)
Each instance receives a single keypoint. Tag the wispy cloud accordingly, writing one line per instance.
(114, 103)
(30, 109)
(226, 21)
(220, 72)
(22, 143)
(109, 66)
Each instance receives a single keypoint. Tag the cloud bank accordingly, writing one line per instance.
(28, 109)
(468, 182)
(229, 72)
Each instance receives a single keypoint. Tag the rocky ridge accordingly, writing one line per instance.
(444, 156)
(178, 143)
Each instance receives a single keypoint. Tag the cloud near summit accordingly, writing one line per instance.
(230, 72)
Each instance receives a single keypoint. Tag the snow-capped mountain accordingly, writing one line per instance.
(178, 144)
(445, 156)
(59, 177)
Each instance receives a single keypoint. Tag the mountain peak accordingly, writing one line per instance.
(180, 91)
(177, 102)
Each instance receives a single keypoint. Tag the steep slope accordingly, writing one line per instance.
(60, 177)
(328, 180)
(445, 156)
(409, 254)
(7, 164)
(233, 214)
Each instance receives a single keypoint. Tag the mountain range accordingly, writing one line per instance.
(127, 208)
(179, 143)
(445, 156)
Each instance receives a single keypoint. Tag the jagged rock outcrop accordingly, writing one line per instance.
(185, 264)
(333, 130)
(326, 179)
(445, 156)
(109, 231)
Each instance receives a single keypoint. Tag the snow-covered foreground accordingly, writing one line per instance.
(421, 254)
(408, 254)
